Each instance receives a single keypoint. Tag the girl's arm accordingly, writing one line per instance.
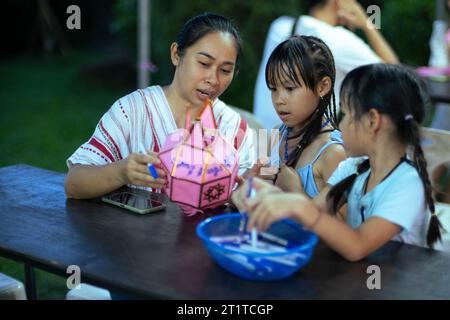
(289, 180)
(321, 203)
(326, 165)
(353, 244)
(328, 162)
(90, 181)
(352, 14)
(380, 45)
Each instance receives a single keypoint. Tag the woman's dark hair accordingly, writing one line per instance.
(199, 26)
(310, 59)
(397, 92)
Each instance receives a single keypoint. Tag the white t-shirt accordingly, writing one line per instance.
(399, 198)
(349, 52)
(438, 46)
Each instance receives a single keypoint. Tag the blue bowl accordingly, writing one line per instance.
(256, 265)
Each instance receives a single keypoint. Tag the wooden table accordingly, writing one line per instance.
(160, 256)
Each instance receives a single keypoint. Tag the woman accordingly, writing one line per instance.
(130, 135)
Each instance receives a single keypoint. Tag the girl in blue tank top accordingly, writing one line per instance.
(300, 73)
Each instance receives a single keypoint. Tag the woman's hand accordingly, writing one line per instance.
(352, 15)
(134, 170)
(239, 196)
(289, 180)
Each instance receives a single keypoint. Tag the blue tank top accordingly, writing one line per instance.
(306, 172)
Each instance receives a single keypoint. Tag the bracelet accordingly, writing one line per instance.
(311, 227)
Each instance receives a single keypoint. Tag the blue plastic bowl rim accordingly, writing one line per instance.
(202, 236)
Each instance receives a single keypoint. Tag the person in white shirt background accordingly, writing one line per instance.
(322, 21)
(439, 57)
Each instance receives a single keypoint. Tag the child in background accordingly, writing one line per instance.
(300, 74)
(388, 196)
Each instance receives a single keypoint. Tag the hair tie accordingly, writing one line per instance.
(408, 117)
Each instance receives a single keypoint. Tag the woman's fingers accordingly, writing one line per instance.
(148, 158)
(143, 169)
(136, 170)
(161, 172)
(145, 179)
(142, 162)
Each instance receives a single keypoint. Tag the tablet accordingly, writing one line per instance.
(136, 203)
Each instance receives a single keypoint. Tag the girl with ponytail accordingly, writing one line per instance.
(384, 184)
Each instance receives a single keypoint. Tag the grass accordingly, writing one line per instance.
(47, 109)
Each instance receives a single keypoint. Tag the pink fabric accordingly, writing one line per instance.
(433, 71)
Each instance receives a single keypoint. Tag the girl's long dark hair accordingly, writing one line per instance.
(310, 59)
(395, 91)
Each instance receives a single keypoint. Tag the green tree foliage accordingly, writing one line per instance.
(405, 23)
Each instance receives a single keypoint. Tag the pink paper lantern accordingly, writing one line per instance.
(201, 165)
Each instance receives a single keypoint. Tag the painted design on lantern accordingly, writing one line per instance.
(214, 192)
